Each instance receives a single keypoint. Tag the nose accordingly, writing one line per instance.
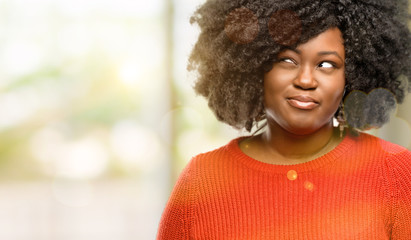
(305, 79)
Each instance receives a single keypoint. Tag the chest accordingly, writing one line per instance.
(303, 206)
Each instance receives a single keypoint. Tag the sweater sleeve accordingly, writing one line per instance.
(401, 196)
(177, 216)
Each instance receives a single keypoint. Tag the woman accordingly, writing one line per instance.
(294, 66)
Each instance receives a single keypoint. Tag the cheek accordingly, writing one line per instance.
(272, 93)
(334, 96)
(276, 81)
(335, 87)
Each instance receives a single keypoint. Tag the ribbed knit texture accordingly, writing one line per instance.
(359, 190)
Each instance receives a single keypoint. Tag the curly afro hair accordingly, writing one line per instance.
(240, 39)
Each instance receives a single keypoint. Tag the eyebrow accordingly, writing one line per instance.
(330, 53)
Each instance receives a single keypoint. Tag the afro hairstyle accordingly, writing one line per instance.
(240, 39)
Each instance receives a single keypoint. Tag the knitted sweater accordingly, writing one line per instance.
(359, 190)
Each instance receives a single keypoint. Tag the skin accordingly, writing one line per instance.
(302, 92)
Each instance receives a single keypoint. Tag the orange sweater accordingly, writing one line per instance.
(359, 190)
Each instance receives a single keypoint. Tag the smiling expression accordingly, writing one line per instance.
(303, 89)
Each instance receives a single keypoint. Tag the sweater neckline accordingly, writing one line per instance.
(234, 149)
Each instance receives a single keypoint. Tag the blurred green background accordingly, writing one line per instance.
(98, 116)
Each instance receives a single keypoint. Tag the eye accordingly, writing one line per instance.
(287, 60)
(326, 65)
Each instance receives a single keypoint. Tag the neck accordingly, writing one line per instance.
(286, 145)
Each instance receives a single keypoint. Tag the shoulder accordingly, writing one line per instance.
(373, 143)
(216, 156)
(376, 151)
(201, 167)
(397, 159)
(213, 165)
(393, 151)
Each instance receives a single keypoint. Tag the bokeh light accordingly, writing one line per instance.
(135, 146)
(292, 175)
(241, 25)
(72, 193)
(83, 159)
(309, 186)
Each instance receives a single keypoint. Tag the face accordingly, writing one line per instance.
(305, 86)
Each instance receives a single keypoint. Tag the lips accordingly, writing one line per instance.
(303, 102)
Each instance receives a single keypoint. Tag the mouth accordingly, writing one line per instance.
(302, 102)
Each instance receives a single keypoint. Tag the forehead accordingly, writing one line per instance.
(329, 40)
